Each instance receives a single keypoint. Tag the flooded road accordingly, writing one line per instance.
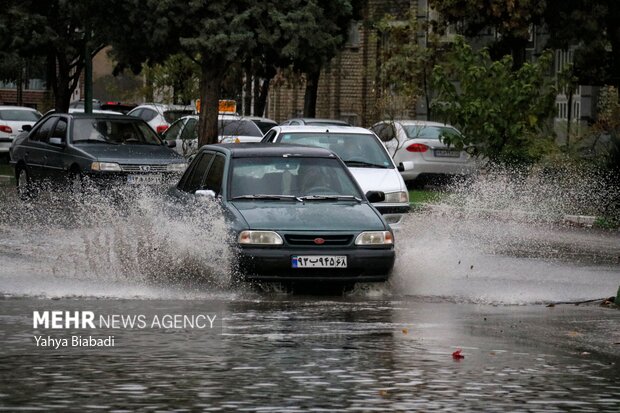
(460, 282)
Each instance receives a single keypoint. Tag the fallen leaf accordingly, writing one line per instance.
(383, 393)
(405, 331)
(457, 355)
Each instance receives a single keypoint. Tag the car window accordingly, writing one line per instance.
(19, 115)
(173, 131)
(351, 147)
(43, 132)
(235, 127)
(172, 115)
(270, 136)
(215, 176)
(148, 114)
(190, 131)
(428, 132)
(296, 176)
(264, 125)
(135, 112)
(385, 131)
(60, 130)
(196, 177)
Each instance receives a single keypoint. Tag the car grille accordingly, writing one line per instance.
(308, 240)
(144, 168)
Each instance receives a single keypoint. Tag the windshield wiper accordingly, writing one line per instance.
(95, 141)
(330, 198)
(363, 164)
(265, 196)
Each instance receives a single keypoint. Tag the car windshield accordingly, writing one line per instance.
(238, 127)
(175, 114)
(355, 149)
(290, 178)
(19, 115)
(428, 132)
(113, 131)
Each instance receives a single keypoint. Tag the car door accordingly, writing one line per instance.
(193, 178)
(35, 150)
(56, 151)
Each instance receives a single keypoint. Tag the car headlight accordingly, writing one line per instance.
(105, 166)
(375, 238)
(259, 238)
(397, 197)
(176, 167)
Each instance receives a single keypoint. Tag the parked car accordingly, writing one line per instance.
(296, 213)
(363, 153)
(12, 121)
(79, 104)
(231, 129)
(313, 122)
(264, 124)
(418, 144)
(106, 149)
(160, 116)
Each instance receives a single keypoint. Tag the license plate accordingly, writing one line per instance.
(144, 179)
(319, 261)
(445, 153)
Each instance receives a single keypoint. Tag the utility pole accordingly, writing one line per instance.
(88, 73)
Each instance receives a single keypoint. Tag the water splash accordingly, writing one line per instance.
(498, 238)
(130, 239)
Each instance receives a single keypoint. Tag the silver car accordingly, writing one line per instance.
(419, 146)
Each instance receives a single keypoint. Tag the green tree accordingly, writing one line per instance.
(510, 19)
(501, 112)
(59, 32)
(593, 27)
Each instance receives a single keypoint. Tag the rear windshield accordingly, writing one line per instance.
(174, 114)
(19, 115)
(351, 147)
(113, 132)
(235, 127)
(428, 132)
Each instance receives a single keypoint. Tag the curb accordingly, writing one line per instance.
(516, 215)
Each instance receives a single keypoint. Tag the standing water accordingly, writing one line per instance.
(471, 274)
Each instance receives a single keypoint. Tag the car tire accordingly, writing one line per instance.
(76, 182)
(23, 184)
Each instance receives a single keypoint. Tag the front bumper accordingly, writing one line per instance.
(275, 264)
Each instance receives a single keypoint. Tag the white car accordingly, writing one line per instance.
(160, 116)
(231, 129)
(363, 153)
(418, 145)
(12, 121)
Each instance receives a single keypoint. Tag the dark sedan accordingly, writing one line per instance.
(296, 213)
(105, 149)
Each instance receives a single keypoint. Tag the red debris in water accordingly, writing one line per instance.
(457, 355)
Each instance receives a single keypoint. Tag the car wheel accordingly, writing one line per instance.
(76, 182)
(24, 184)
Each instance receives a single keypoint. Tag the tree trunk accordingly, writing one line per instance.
(62, 94)
(210, 86)
(247, 96)
(310, 96)
(261, 101)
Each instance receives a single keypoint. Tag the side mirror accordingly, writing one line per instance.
(26, 128)
(405, 166)
(171, 144)
(205, 193)
(56, 142)
(375, 196)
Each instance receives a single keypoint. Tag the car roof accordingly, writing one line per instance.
(18, 108)
(421, 123)
(320, 120)
(324, 129)
(247, 150)
(82, 115)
